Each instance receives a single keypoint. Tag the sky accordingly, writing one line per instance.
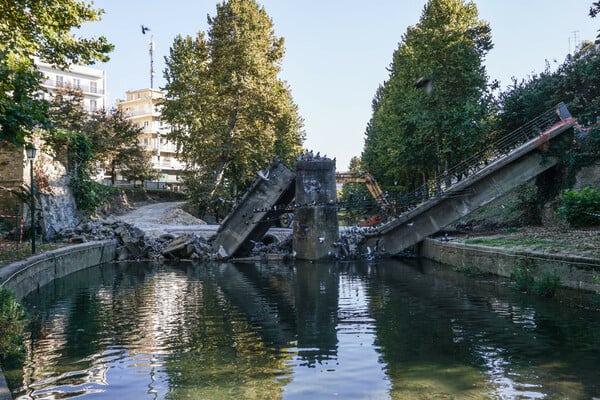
(338, 51)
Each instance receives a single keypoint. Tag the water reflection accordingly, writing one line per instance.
(385, 330)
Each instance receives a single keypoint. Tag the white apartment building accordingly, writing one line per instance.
(142, 108)
(91, 81)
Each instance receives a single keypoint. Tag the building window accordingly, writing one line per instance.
(59, 80)
(93, 105)
(76, 83)
(93, 87)
(146, 123)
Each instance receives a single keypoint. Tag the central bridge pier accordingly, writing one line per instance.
(315, 216)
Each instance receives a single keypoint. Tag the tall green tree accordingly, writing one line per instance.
(43, 29)
(416, 133)
(230, 112)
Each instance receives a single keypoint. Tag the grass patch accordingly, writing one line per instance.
(510, 242)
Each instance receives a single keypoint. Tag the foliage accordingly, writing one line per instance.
(89, 195)
(524, 280)
(85, 140)
(523, 277)
(229, 111)
(355, 197)
(114, 139)
(546, 286)
(136, 165)
(40, 29)
(576, 82)
(12, 323)
(199, 191)
(580, 208)
(414, 134)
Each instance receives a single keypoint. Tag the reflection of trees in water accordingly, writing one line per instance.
(246, 331)
(186, 333)
(440, 332)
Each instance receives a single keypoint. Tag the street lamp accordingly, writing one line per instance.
(31, 150)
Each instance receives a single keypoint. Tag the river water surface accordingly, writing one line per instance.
(385, 330)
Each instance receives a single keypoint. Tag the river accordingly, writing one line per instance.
(385, 330)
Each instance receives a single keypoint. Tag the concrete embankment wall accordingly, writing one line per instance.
(574, 272)
(26, 276)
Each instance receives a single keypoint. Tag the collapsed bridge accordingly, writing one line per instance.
(513, 160)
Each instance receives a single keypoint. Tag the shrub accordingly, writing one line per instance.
(12, 323)
(523, 278)
(546, 286)
(580, 208)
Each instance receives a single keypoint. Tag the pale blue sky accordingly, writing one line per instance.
(337, 51)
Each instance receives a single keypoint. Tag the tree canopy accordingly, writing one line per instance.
(576, 82)
(230, 113)
(85, 141)
(430, 113)
(42, 29)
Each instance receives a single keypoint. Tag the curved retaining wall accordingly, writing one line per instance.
(26, 276)
(574, 272)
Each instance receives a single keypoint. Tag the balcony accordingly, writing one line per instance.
(86, 89)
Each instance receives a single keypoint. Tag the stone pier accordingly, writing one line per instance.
(315, 218)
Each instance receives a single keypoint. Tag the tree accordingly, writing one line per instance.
(85, 140)
(229, 111)
(136, 165)
(113, 137)
(576, 82)
(41, 29)
(415, 133)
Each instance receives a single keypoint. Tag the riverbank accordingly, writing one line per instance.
(572, 256)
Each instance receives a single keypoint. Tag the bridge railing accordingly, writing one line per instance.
(495, 151)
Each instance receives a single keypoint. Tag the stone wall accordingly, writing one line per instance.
(574, 272)
(26, 276)
(13, 167)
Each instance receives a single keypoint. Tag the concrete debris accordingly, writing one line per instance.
(135, 245)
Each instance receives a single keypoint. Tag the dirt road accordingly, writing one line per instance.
(160, 218)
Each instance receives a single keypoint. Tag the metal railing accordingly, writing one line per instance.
(501, 148)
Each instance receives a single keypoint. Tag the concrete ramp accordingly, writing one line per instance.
(453, 202)
(258, 210)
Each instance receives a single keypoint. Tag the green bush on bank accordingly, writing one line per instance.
(12, 324)
(524, 280)
(580, 208)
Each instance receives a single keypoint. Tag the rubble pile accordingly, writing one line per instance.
(133, 244)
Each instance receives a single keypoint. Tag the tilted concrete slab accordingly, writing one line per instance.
(495, 180)
(261, 207)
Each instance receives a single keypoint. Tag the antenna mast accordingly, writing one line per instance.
(151, 61)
